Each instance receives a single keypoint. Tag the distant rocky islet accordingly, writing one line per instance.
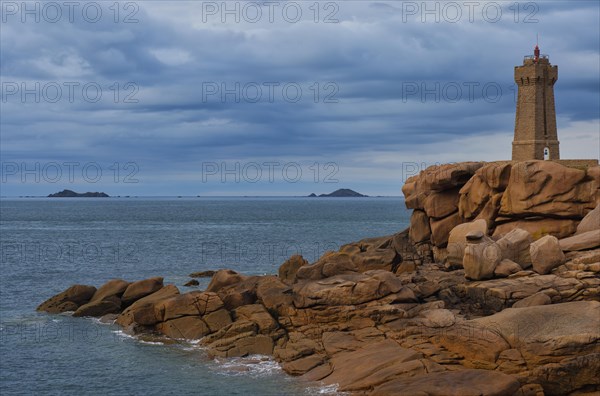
(73, 194)
(340, 193)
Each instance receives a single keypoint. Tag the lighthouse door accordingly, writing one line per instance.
(546, 153)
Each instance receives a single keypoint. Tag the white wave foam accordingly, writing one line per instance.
(125, 336)
(253, 365)
(151, 342)
(328, 390)
(100, 322)
(122, 334)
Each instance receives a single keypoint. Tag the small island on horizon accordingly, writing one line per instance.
(341, 193)
(72, 194)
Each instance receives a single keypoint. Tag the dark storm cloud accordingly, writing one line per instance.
(373, 59)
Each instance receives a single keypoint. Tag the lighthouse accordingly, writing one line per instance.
(535, 121)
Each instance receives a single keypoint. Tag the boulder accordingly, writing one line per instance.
(223, 278)
(347, 289)
(489, 212)
(468, 382)
(491, 296)
(114, 287)
(506, 268)
(414, 198)
(242, 345)
(195, 303)
(241, 293)
(473, 196)
(496, 174)
(107, 305)
(441, 204)
(302, 365)
(224, 338)
(258, 314)
(296, 347)
(376, 258)
(440, 229)
(191, 283)
(546, 254)
(142, 311)
(188, 327)
(274, 294)
(68, 300)
(202, 274)
(436, 178)
(447, 176)
(217, 320)
(539, 188)
(419, 227)
(139, 289)
(539, 227)
(584, 241)
(457, 240)
(590, 222)
(481, 195)
(331, 263)
(515, 246)
(482, 256)
(287, 271)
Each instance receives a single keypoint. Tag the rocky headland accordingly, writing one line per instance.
(493, 290)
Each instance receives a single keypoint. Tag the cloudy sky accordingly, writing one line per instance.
(277, 98)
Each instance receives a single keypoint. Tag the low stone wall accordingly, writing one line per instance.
(577, 163)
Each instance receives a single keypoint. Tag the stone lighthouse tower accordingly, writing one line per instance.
(535, 121)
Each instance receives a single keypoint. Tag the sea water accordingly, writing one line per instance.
(49, 244)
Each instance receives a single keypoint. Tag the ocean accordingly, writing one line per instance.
(49, 244)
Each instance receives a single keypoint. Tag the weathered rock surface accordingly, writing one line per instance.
(584, 241)
(287, 271)
(452, 383)
(546, 254)
(223, 278)
(538, 227)
(348, 289)
(98, 308)
(506, 267)
(590, 222)
(114, 287)
(68, 300)
(372, 365)
(420, 230)
(482, 256)
(457, 240)
(202, 274)
(139, 289)
(515, 246)
(540, 188)
(191, 283)
(142, 311)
